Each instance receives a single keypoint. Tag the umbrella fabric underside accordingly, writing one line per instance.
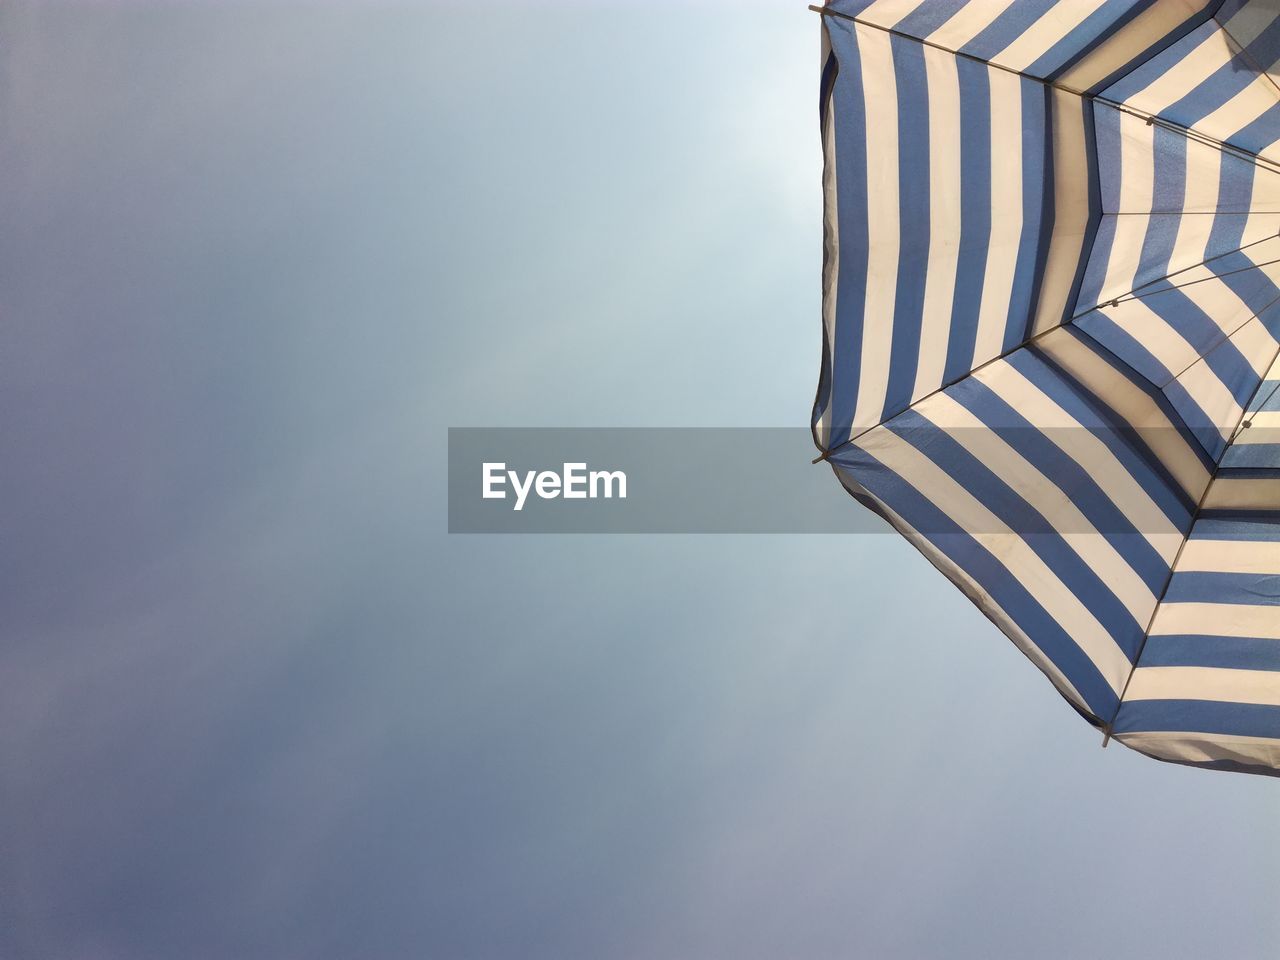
(1051, 316)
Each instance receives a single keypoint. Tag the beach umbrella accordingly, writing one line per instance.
(1051, 333)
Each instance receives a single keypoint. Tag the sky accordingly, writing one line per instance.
(257, 704)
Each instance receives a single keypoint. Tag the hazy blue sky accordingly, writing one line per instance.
(256, 704)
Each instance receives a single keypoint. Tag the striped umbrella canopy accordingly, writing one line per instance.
(1051, 319)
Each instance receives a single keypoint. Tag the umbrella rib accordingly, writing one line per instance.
(1149, 119)
(1135, 295)
(823, 11)
(1219, 342)
(1245, 421)
(1191, 283)
(1195, 516)
(826, 454)
(1262, 163)
(1137, 657)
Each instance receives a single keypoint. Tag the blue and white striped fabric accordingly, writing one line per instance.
(1051, 320)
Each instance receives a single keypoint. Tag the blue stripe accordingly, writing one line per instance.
(1236, 528)
(1169, 185)
(1252, 455)
(975, 214)
(1249, 589)
(1037, 190)
(1016, 19)
(1157, 250)
(1095, 274)
(1234, 653)
(1204, 716)
(1269, 396)
(1260, 515)
(1235, 192)
(1105, 197)
(1046, 216)
(928, 17)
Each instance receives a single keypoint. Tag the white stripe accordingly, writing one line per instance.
(1230, 556)
(1205, 747)
(1265, 197)
(1264, 427)
(1137, 165)
(1230, 493)
(1205, 683)
(1204, 173)
(879, 81)
(1071, 208)
(1217, 620)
